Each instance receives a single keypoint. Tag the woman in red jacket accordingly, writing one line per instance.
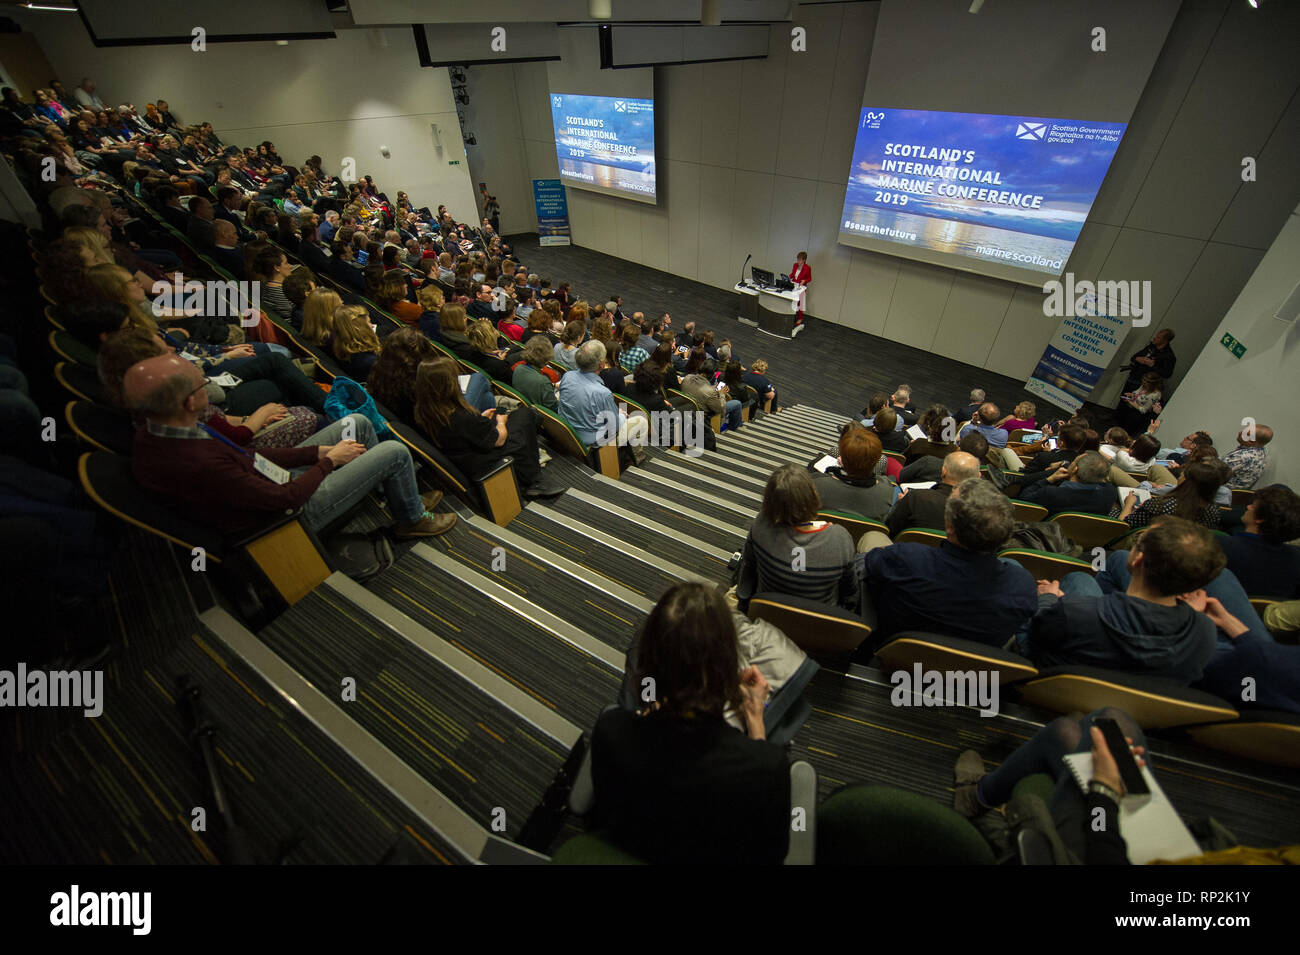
(800, 275)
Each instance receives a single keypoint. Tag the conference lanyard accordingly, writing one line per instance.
(263, 466)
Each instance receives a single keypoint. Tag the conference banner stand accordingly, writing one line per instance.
(552, 212)
(1075, 358)
(772, 311)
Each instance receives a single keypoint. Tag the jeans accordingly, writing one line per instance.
(295, 388)
(732, 414)
(1043, 754)
(387, 463)
(479, 393)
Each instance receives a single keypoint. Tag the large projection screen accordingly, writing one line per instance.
(603, 120)
(606, 143)
(983, 138)
(1003, 195)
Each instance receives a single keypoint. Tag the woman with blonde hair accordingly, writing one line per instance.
(115, 284)
(453, 327)
(94, 247)
(1021, 419)
(482, 336)
(431, 302)
(602, 329)
(318, 316)
(354, 342)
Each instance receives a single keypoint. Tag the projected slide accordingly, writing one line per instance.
(606, 143)
(1002, 195)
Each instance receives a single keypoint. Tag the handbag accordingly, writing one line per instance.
(346, 397)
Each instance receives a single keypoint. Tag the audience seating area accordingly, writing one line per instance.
(439, 708)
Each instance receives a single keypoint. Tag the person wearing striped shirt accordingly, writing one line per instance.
(790, 552)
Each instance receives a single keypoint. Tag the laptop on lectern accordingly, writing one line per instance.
(762, 277)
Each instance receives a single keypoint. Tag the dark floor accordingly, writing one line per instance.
(828, 366)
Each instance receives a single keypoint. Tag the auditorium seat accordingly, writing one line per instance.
(595, 848)
(1090, 530)
(922, 535)
(495, 493)
(1028, 512)
(1269, 736)
(81, 381)
(591, 848)
(603, 459)
(856, 526)
(817, 628)
(1152, 702)
(1045, 565)
(282, 560)
(867, 824)
(100, 426)
(69, 349)
(943, 653)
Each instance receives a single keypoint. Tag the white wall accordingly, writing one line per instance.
(340, 97)
(754, 156)
(1221, 390)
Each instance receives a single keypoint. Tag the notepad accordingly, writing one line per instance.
(915, 432)
(1143, 495)
(464, 383)
(824, 462)
(918, 486)
(1150, 825)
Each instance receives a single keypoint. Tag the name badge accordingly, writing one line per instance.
(268, 468)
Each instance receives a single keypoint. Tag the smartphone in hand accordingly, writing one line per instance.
(1130, 773)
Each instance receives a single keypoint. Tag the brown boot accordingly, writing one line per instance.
(431, 525)
(431, 499)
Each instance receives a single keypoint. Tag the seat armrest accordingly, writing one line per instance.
(803, 814)
(237, 541)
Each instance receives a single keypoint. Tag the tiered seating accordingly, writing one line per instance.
(461, 681)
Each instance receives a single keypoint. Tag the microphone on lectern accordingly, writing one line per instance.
(742, 269)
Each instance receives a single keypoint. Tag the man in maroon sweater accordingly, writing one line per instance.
(237, 490)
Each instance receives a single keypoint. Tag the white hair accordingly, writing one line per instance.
(589, 356)
(976, 395)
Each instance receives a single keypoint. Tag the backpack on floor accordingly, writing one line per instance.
(361, 556)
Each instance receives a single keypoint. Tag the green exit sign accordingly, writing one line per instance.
(1237, 348)
(453, 162)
